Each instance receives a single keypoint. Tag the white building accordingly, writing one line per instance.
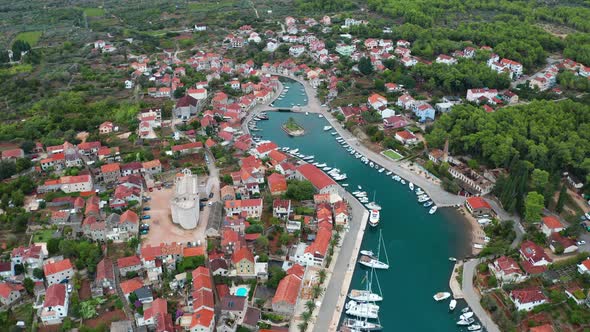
(55, 305)
(185, 202)
(57, 272)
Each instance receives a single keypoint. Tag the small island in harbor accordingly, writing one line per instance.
(292, 128)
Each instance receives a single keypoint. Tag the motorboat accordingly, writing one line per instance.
(320, 116)
(361, 325)
(364, 296)
(403, 181)
(327, 168)
(373, 206)
(452, 259)
(306, 113)
(441, 296)
(464, 310)
(322, 165)
(344, 184)
(411, 185)
(466, 315)
(367, 252)
(474, 327)
(357, 155)
(432, 210)
(308, 157)
(364, 200)
(423, 199)
(466, 322)
(373, 262)
(381, 170)
(371, 164)
(397, 177)
(326, 128)
(388, 173)
(294, 151)
(452, 304)
(334, 133)
(374, 217)
(364, 310)
(427, 204)
(360, 187)
(340, 177)
(376, 166)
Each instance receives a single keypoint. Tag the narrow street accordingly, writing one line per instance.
(126, 308)
(473, 298)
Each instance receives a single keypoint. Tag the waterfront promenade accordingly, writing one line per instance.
(438, 195)
(472, 297)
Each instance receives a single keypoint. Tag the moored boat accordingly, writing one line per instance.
(427, 204)
(452, 259)
(361, 325)
(466, 315)
(326, 128)
(452, 304)
(441, 296)
(411, 185)
(374, 217)
(363, 310)
(433, 210)
(474, 327)
(466, 322)
(364, 296)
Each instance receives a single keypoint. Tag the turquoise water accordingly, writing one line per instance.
(294, 94)
(418, 244)
(241, 291)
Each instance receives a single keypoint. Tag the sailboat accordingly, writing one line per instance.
(361, 325)
(373, 261)
(366, 295)
(367, 309)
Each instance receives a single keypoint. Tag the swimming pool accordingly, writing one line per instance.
(241, 291)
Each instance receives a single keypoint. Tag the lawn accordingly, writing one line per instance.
(23, 313)
(392, 154)
(94, 12)
(31, 37)
(43, 236)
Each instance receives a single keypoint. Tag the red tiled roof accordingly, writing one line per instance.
(297, 270)
(552, 222)
(203, 298)
(108, 168)
(129, 216)
(266, 147)
(203, 317)
(533, 252)
(528, 295)
(7, 288)
(542, 328)
(187, 146)
(508, 265)
(288, 290)
(130, 286)
(193, 251)
(406, 135)
(321, 242)
(55, 295)
(74, 179)
(52, 268)
(277, 156)
(314, 175)
(277, 183)
(104, 269)
(222, 290)
(128, 261)
(241, 254)
(529, 268)
(478, 203)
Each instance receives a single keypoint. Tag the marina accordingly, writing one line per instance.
(418, 270)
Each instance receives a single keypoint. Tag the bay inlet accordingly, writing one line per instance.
(418, 244)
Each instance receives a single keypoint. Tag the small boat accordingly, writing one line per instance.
(364, 296)
(381, 170)
(371, 164)
(322, 165)
(452, 259)
(388, 173)
(466, 315)
(320, 116)
(361, 325)
(411, 185)
(334, 133)
(367, 252)
(376, 166)
(423, 199)
(452, 304)
(441, 296)
(326, 128)
(294, 151)
(374, 217)
(373, 206)
(373, 262)
(403, 181)
(432, 210)
(308, 157)
(359, 186)
(363, 200)
(345, 184)
(427, 204)
(396, 178)
(464, 310)
(327, 168)
(474, 327)
(466, 322)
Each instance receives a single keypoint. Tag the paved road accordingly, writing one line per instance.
(339, 282)
(473, 298)
(504, 216)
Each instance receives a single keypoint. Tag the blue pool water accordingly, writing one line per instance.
(242, 291)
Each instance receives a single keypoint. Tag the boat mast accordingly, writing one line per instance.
(384, 249)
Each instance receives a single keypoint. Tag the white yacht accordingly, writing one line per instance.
(452, 304)
(465, 322)
(466, 316)
(474, 327)
(433, 210)
(364, 296)
(381, 170)
(373, 261)
(411, 185)
(363, 310)
(361, 325)
(326, 128)
(374, 217)
(441, 296)
(373, 206)
(423, 199)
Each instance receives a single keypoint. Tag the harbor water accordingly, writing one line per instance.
(418, 244)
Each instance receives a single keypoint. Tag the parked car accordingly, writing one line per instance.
(146, 217)
(146, 208)
(581, 243)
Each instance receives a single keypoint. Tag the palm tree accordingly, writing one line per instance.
(322, 275)
(316, 290)
(306, 316)
(310, 305)
(302, 326)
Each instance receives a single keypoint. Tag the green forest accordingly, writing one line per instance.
(552, 136)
